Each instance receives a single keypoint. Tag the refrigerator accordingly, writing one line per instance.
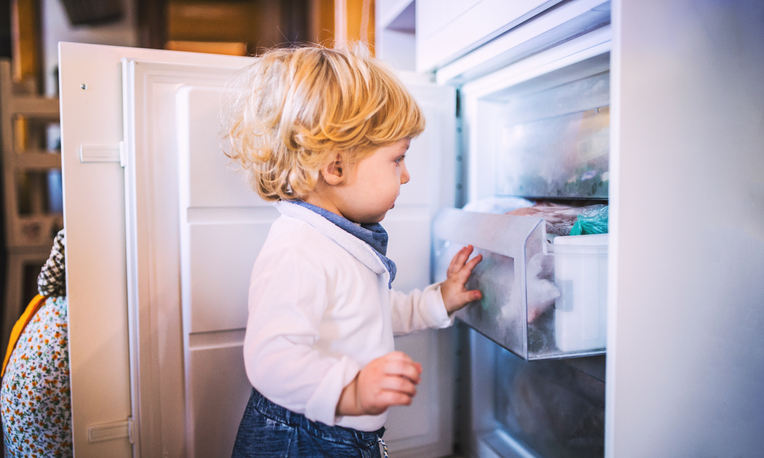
(162, 234)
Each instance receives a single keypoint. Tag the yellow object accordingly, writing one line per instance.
(18, 328)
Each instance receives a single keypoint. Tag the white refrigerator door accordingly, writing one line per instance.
(160, 251)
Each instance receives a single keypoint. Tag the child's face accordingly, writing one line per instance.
(374, 183)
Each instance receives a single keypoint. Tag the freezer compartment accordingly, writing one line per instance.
(540, 128)
(525, 309)
(555, 134)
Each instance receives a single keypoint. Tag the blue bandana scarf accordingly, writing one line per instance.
(373, 234)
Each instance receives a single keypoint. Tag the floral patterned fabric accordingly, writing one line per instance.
(35, 399)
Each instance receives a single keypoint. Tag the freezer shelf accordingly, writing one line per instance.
(516, 278)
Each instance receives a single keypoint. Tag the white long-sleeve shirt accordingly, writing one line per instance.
(319, 310)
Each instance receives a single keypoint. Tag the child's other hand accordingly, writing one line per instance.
(390, 380)
(453, 289)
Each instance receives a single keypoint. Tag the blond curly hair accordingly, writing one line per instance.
(291, 111)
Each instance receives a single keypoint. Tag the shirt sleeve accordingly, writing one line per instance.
(287, 298)
(420, 309)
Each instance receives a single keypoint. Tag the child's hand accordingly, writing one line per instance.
(453, 290)
(390, 380)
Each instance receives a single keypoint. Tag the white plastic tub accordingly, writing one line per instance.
(580, 269)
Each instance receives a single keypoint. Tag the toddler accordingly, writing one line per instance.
(324, 134)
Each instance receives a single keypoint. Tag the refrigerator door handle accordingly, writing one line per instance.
(102, 153)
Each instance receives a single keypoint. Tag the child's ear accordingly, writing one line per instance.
(333, 173)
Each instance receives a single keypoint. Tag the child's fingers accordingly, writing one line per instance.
(466, 297)
(466, 271)
(393, 398)
(457, 262)
(386, 381)
(473, 262)
(403, 368)
(399, 384)
(402, 357)
(474, 295)
(463, 274)
(399, 355)
(454, 262)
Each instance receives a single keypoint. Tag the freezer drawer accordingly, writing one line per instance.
(523, 308)
(554, 408)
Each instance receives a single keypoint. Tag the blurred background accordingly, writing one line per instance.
(31, 201)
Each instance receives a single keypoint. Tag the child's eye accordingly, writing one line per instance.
(400, 159)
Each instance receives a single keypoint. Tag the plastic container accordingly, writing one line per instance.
(580, 269)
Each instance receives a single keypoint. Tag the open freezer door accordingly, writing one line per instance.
(162, 236)
(137, 362)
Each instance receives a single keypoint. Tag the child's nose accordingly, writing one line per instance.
(405, 177)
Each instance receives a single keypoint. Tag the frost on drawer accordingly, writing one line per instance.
(555, 140)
